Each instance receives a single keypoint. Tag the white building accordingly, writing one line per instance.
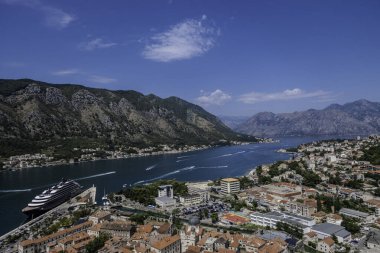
(191, 234)
(270, 219)
(327, 245)
(230, 185)
(324, 230)
(204, 193)
(357, 214)
(165, 191)
(165, 202)
(191, 200)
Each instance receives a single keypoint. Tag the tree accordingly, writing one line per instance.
(351, 225)
(319, 205)
(245, 182)
(214, 217)
(377, 192)
(139, 218)
(97, 243)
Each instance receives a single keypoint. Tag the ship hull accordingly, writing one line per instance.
(33, 212)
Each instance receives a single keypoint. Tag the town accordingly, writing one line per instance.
(77, 154)
(325, 198)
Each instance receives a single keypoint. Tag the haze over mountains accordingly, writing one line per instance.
(361, 117)
(37, 115)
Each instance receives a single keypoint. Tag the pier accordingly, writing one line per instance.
(84, 198)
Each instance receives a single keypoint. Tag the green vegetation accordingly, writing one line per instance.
(373, 176)
(237, 205)
(66, 221)
(325, 203)
(250, 227)
(292, 230)
(293, 150)
(97, 243)
(245, 182)
(214, 217)
(12, 238)
(351, 224)
(139, 218)
(16, 146)
(335, 180)
(145, 194)
(355, 184)
(377, 192)
(58, 128)
(372, 155)
(310, 178)
(262, 179)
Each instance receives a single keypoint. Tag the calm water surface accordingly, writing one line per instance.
(110, 175)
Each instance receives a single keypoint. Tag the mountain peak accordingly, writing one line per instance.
(361, 117)
(50, 113)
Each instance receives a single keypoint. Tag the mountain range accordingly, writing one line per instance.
(37, 115)
(361, 117)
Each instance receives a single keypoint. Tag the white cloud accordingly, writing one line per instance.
(65, 72)
(54, 17)
(217, 97)
(102, 79)
(57, 18)
(97, 43)
(188, 39)
(256, 97)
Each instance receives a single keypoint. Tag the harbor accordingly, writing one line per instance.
(87, 197)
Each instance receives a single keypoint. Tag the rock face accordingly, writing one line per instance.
(37, 112)
(233, 121)
(359, 117)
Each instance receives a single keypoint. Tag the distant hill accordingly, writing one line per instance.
(359, 117)
(36, 115)
(233, 121)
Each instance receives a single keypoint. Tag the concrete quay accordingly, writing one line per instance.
(88, 195)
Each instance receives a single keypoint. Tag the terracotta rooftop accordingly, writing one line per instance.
(145, 228)
(166, 242)
(55, 235)
(100, 214)
(230, 179)
(329, 241)
(164, 228)
(193, 249)
(311, 234)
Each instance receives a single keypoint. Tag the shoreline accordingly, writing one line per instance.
(124, 156)
(57, 163)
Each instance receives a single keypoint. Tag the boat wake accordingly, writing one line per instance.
(97, 175)
(178, 161)
(165, 175)
(231, 154)
(17, 190)
(48, 185)
(184, 156)
(151, 167)
(213, 167)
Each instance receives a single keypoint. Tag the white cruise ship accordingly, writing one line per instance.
(52, 197)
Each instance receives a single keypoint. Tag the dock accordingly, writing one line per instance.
(84, 198)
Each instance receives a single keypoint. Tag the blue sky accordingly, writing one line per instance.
(231, 57)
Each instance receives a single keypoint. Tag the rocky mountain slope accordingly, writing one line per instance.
(359, 117)
(233, 121)
(36, 115)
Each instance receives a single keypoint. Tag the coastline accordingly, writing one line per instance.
(122, 155)
(125, 156)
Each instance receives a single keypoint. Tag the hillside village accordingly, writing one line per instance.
(326, 198)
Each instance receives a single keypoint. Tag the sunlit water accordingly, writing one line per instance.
(17, 188)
